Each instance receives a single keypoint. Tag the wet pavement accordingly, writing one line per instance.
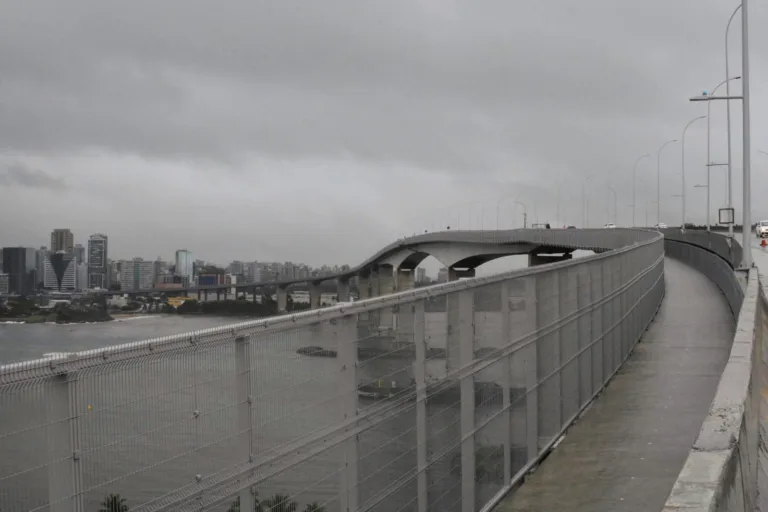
(626, 452)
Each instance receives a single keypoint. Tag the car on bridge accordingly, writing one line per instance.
(660, 225)
(761, 230)
(610, 225)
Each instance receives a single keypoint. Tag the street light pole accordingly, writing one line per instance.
(747, 140)
(683, 162)
(525, 214)
(615, 212)
(634, 183)
(728, 114)
(658, 179)
(709, 159)
(584, 201)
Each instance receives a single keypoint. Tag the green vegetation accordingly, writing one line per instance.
(114, 503)
(30, 311)
(239, 307)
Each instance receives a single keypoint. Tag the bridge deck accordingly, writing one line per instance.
(627, 450)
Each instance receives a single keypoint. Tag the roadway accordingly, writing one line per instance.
(626, 451)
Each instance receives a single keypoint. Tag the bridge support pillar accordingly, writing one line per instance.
(199, 296)
(542, 259)
(404, 316)
(386, 287)
(364, 293)
(374, 315)
(346, 343)
(456, 274)
(342, 290)
(404, 280)
(205, 294)
(314, 296)
(363, 287)
(218, 295)
(282, 299)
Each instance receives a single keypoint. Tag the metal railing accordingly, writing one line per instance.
(440, 398)
(724, 470)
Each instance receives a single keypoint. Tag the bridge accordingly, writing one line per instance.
(392, 268)
(631, 379)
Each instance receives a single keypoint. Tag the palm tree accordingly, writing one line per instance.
(114, 503)
(314, 507)
(235, 506)
(279, 503)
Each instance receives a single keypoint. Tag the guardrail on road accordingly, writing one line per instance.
(439, 398)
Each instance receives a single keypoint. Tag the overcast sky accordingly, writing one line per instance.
(320, 131)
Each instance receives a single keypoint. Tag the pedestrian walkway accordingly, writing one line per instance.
(626, 452)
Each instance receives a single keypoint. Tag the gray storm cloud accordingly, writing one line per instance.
(407, 105)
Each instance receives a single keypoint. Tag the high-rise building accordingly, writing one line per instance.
(20, 265)
(98, 265)
(5, 285)
(421, 275)
(62, 240)
(81, 276)
(40, 255)
(60, 271)
(79, 252)
(184, 264)
(137, 274)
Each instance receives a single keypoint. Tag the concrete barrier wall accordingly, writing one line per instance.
(721, 472)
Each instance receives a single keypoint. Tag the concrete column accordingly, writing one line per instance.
(404, 316)
(65, 479)
(218, 295)
(404, 280)
(342, 290)
(346, 336)
(314, 296)
(244, 410)
(364, 287)
(455, 274)
(374, 315)
(386, 287)
(374, 280)
(282, 299)
(542, 259)
(205, 293)
(199, 295)
(419, 376)
(465, 324)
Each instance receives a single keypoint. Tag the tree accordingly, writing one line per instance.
(235, 506)
(314, 507)
(279, 503)
(114, 503)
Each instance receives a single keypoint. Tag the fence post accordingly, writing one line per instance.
(346, 343)
(463, 322)
(65, 479)
(419, 375)
(244, 410)
(506, 382)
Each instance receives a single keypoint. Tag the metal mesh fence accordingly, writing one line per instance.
(727, 248)
(432, 399)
